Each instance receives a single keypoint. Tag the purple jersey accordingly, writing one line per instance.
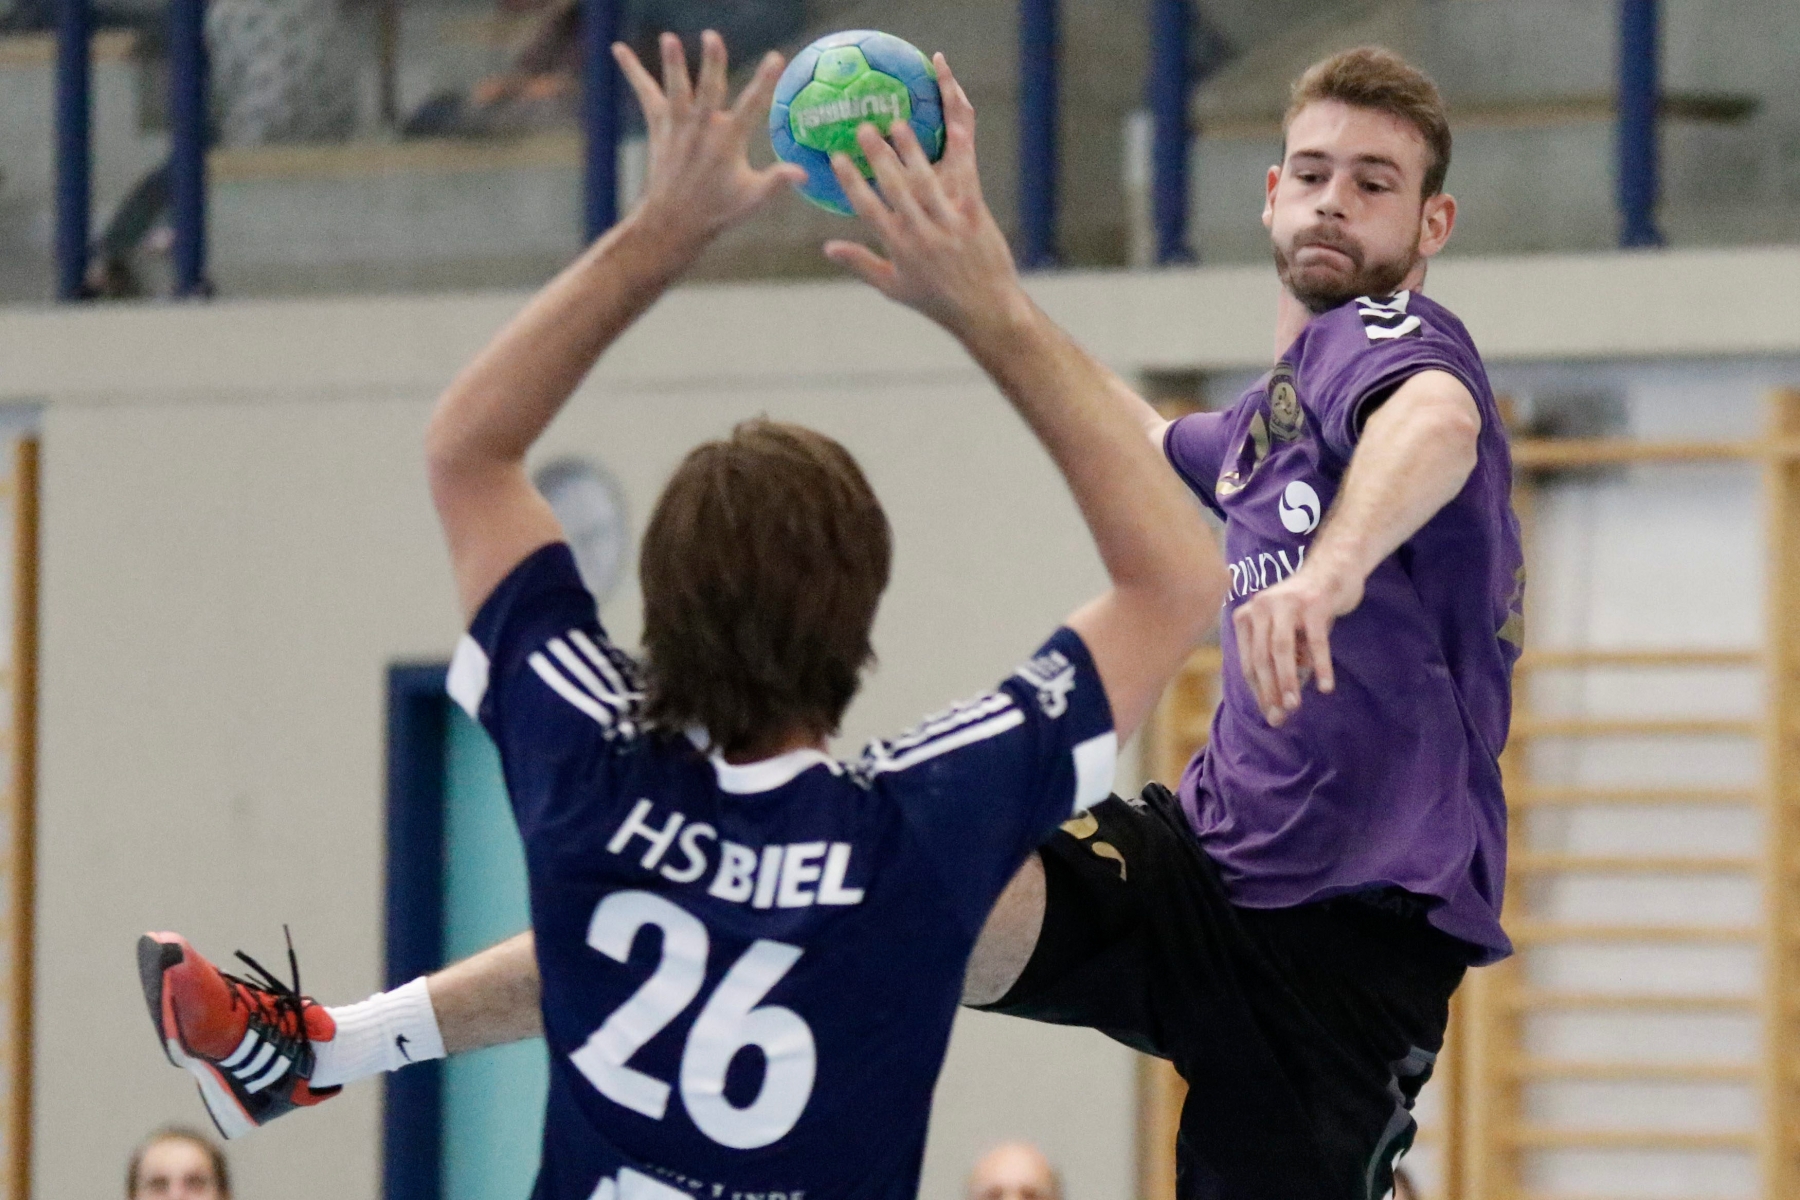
(1394, 778)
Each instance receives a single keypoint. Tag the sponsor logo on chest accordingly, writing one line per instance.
(1260, 506)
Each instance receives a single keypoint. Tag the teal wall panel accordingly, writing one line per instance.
(493, 1114)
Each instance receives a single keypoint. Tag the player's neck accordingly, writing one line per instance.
(775, 746)
(1291, 316)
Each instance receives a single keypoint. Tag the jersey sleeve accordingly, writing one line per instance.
(539, 673)
(1374, 375)
(985, 781)
(1195, 447)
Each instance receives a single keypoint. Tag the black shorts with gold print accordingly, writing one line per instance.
(1304, 1034)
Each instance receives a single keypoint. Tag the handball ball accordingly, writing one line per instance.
(836, 84)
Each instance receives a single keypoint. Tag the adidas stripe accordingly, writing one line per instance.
(590, 681)
(884, 760)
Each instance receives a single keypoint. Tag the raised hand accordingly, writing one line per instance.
(700, 178)
(946, 257)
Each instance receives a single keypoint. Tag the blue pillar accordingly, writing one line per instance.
(417, 718)
(1640, 95)
(187, 144)
(600, 113)
(1169, 88)
(1038, 53)
(74, 146)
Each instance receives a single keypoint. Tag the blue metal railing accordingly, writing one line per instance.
(1639, 101)
(1170, 86)
(74, 147)
(188, 84)
(1039, 53)
(600, 25)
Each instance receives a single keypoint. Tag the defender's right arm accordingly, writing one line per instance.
(948, 259)
(700, 183)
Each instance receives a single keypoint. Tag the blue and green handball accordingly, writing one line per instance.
(836, 84)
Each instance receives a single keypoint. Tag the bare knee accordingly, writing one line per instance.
(1008, 937)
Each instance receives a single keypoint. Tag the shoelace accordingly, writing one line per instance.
(285, 1001)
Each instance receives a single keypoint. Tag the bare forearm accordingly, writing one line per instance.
(504, 399)
(1414, 457)
(490, 998)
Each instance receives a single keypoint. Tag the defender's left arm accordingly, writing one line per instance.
(1416, 452)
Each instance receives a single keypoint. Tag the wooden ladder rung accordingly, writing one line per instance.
(1544, 863)
(1575, 1070)
(1537, 933)
(1539, 1137)
(1660, 727)
(1534, 1000)
(1573, 658)
(1535, 796)
(1591, 1196)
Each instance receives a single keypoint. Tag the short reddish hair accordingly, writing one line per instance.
(1372, 77)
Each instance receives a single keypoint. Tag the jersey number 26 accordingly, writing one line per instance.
(728, 1022)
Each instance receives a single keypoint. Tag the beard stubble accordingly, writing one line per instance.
(1326, 293)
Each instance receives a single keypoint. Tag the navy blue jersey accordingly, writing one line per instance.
(750, 972)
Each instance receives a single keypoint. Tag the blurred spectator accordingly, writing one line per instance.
(1014, 1171)
(541, 86)
(177, 1164)
(1403, 1185)
(282, 71)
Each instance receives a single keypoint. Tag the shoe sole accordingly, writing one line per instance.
(154, 959)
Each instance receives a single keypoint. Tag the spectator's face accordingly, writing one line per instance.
(176, 1169)
(1013, 1172)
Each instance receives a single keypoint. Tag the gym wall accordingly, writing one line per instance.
(237, 542)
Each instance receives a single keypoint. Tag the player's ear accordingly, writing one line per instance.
(1436, 221)
(1268, 212)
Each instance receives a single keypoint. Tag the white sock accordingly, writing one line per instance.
(387, 1031)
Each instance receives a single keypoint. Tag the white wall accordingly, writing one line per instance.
(237, 543)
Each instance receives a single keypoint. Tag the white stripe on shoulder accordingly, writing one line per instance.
(467, 681)
(1378, 334)
(603, 664)
(993, 727)
(574, 666)
(966, 713)
(1095, 761)
(568, 691)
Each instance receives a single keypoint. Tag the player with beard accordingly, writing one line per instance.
(1288, 927)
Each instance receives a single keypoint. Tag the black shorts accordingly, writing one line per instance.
(1304, 1034)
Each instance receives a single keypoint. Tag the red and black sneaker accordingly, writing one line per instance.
(248, 1042)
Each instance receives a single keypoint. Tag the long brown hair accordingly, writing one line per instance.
(761, 569)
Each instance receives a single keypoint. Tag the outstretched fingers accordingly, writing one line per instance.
(714, 62)
(873, 269)
(863, 200)
(922, 179)
(959, 116)
(676, 87)
(752, 107)
(773, 178)
(890, 173)
(650, 96)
